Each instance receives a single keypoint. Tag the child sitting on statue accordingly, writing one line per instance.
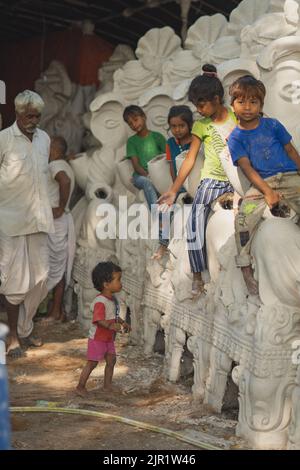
(141, 149)
(262, 148)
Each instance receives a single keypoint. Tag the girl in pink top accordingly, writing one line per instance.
(106, 322)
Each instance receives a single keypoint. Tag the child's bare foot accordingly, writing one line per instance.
(250, 282)
(162, 250)
(198, 285)
(81, 391)
(33, 341)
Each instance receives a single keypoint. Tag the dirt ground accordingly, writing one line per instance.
(51, 372)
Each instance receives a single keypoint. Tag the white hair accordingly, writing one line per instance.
(26, 98)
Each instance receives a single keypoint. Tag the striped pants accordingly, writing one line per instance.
(207, 192)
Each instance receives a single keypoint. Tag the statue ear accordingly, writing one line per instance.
(276, 49)
(291, 11)
(238, 66)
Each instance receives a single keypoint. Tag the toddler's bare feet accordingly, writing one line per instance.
(111, 389)
(250, 282)
(198, 285)
(32, 340)
(81, 391)
(162, 250)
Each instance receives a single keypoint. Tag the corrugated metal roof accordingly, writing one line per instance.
(117, 21)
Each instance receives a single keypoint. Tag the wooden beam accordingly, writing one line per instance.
(107, 34)
(131, 32)
(138, 21)
(84, 11)
(172, 15)
(39, 15)
(14, 4)
(158, 20)
(58, 22)
(99, 7)
(10, 28)
(213, 8)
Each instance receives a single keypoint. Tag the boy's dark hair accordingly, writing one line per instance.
(103, 272)
(247, 86)
(61, 142)
(206, 86)
(132, 110)
(184, 113)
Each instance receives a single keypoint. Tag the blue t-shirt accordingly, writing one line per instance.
(264, 146)
(173, 149)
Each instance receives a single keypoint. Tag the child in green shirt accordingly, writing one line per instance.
(141, 148)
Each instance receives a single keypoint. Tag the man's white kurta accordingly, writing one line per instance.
(25, 220)
(24, 200)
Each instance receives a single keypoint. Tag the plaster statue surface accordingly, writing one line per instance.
(133, 79)
(246, 13)
(231, 70)
(269, 27)
(156, 46)
(210, 41)
(100, 180)
(280, 70)
(65, 104)
(225, 327)
(138, 76)
(156, 104)
(120, 56)
(183, 65)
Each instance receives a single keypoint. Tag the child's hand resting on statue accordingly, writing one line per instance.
(115, 326)
(125, 328)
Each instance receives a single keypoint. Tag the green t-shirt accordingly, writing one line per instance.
(146, 148)
(214, 137)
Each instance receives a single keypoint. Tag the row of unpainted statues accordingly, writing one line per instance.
(227, 331)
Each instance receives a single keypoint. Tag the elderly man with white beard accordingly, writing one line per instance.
(26, 219)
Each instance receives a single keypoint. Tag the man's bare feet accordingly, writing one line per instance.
(33, 340)
(162, 250)
(48, 321)
(53, 317)
(250, 282)
(14, 350)
(81, 392)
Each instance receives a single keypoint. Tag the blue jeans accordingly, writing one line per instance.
(142, 182)
(151, 195)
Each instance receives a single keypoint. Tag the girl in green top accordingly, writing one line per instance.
(206, 93)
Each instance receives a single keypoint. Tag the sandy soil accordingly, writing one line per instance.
(50, 374)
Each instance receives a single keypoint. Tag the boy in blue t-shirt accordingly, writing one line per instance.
(262, 148)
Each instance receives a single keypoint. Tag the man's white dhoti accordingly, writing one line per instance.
(61, 250)
(61, 243)
(24, 266)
